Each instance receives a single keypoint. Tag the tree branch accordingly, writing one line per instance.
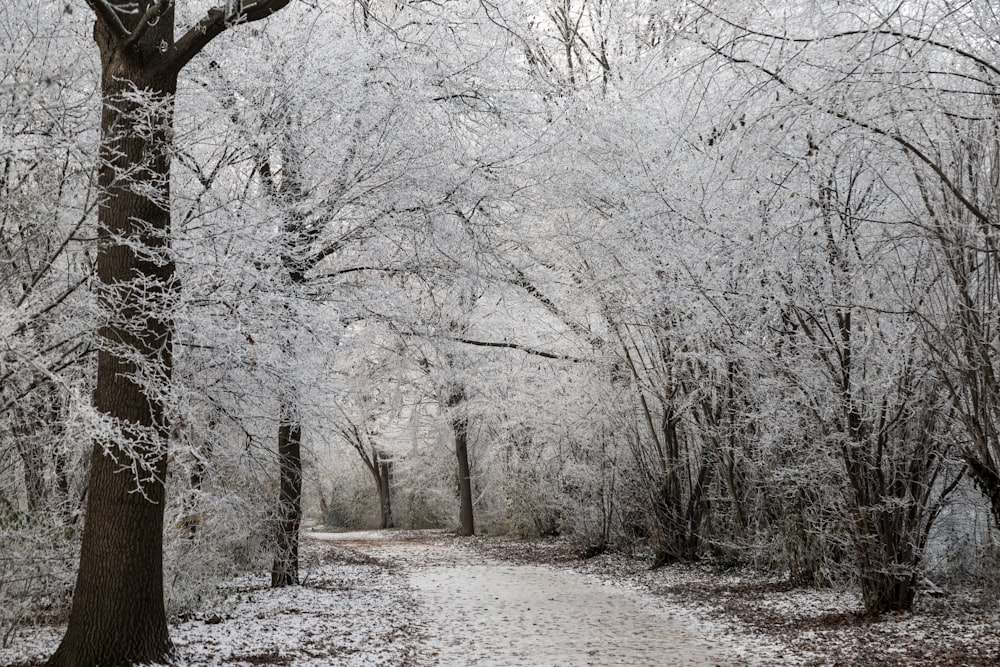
(899, 140)
(214, 23)
(392, 271)
(517, 346)
(522, 281)
(884, 32)
(152, 16)
(107, 15)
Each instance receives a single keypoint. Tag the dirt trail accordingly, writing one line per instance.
(484, 612)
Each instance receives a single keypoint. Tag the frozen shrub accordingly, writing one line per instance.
(37, 568)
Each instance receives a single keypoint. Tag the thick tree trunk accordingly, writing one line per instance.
(285, 571)
(117, 617)
(467, 525)
(986, 478)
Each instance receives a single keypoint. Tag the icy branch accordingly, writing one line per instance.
(215, 23)
(517, 346)
(108, 15)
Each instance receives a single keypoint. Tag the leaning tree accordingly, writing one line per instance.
(118, 616)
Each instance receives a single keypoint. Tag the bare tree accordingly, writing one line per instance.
(117, 617)
(930, 99)
(378, 463)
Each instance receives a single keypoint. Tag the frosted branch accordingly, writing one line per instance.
(107, 14)
(215, 22)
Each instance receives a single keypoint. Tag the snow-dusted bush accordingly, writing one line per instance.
(37, 568)
(350, 504)
(231, 534)
(518, 483)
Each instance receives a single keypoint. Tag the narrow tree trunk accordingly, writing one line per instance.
(285, 571)
(117, 617)
(466, 524)
(33, 467)
(66, 504)
(384, 483)
(192, 518)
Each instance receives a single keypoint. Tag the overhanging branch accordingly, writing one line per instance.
(215, 22)
(108, 16)
(883, 32)
(517, 346)
(899, 140)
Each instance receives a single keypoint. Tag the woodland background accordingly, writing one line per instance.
(716, 280)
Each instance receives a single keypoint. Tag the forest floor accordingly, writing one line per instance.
(428, 599)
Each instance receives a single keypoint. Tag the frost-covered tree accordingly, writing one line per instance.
(47, 197)
(853, 300)
(117, 617)
(47, 205)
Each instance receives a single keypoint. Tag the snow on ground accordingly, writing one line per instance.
(513, 613)
(343, 614)
(770, 622)
(350, 611)
(427, 599)
(529, 615)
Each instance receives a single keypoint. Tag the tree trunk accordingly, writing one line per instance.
(466, 524)
(384, 483)
(988, 481)
(33, 467)
(285, 571)
(117, 617)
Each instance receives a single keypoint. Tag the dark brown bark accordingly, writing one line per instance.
(460, 426)
(118, 617)
(285, 570)
(467, 526)
(383, 479)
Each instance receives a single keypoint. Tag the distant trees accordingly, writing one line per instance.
(684, 276)
(374, 400)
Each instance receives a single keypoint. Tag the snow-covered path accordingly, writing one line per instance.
(507, 615)
(477, 611)
(427, 599)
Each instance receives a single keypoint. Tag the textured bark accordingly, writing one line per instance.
(118, 617)
(467, 526)
(454, 398)
(383, 481)
(285, 571)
